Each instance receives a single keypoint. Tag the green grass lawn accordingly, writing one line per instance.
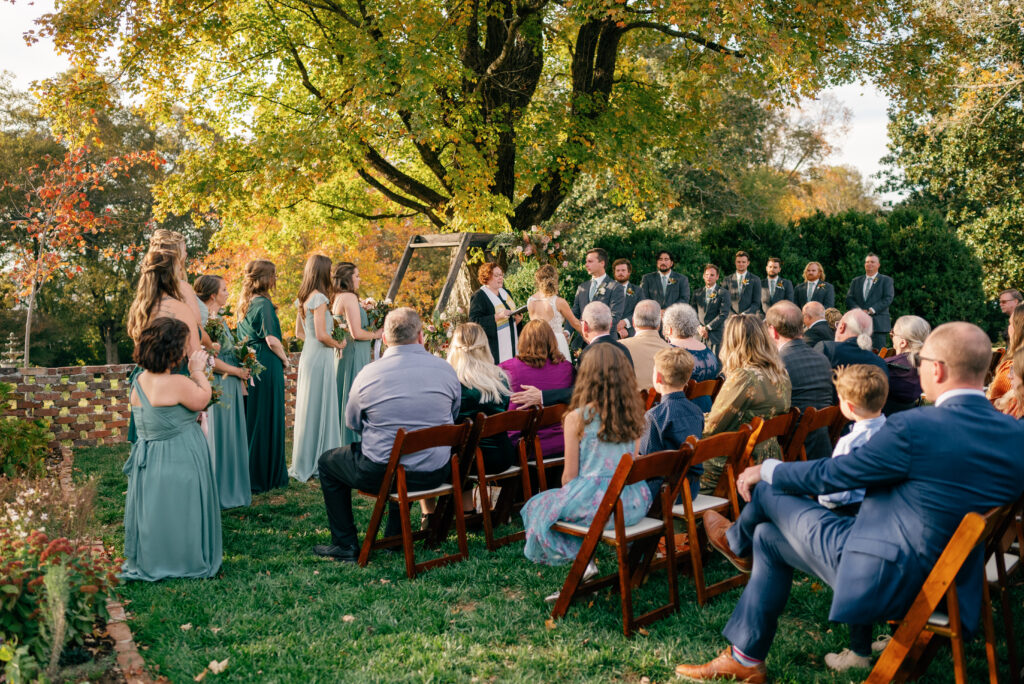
(280, 614)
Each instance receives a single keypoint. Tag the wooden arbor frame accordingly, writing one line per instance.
(458, 241)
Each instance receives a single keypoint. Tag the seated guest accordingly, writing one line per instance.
(756, 384)
(539, 364)
(810, 373)
(908, 336)
(407, 387)
(172, 512)
(671, 422)
(485, 389)
(853, 342)
(1004, 371)
(923, 471)
(862, 390)
(646, 342)
(833, 316)
(1012, 403)
(816, 327)
(604, 421)
(681, 324)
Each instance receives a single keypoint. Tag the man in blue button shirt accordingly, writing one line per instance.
(406, 388)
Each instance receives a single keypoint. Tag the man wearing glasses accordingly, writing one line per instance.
(924, 470)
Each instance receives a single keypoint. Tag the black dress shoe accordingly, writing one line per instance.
(344, 554)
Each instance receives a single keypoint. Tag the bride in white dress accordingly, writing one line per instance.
(547, 306)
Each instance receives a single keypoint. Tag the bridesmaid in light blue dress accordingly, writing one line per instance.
(316, 400)
(605, 384)
(345, 279)
(172, 513)
(226, 435)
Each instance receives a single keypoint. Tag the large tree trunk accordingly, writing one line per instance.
(28, 322)
(109, 343)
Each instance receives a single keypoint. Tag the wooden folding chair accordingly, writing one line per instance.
(997, 356)
(911, 646)
(780, 427)
(635, 545)
(485, 426)
(549, 415)
(653, 397)
(812, 419)
(732, 446)
(884, 353)
(1004, 556)
(707, 388)
(450, 436)
(835, 430)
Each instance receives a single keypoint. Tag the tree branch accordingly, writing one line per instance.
(400, 199)
(401, 180)
(688, 35)
(359, 214)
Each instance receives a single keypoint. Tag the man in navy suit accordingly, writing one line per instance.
(597, 329)
(816, 328)
(774, 289)
(622, 271)
(665, 286)
(873, 292)
(924, 470)
(600, 288)
(744, 287)
(852, 345)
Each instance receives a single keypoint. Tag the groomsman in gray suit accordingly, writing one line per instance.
(744, 287)
(665, 286)
(873, 292)
(600, 288)
(622, 270)
(774, 289)
(712, 305)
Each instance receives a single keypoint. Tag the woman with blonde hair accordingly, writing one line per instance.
(814, 288)
(316, 395)
(158, 295)
(547, 306)
(605, 420)
(264, 411)
(908, 336)
(175, 242)
(485, 389)
(756, 384)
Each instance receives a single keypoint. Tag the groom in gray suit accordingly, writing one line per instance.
(873, 292)
(600, 288)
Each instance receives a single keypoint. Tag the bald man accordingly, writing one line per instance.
(816, 328)
(924, 470)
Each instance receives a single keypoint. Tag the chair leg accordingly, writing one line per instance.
(1011, 639)
(485, 505)
(625, 589)
(990, 632)
(460, 516)
(403, 513)
(372, 529)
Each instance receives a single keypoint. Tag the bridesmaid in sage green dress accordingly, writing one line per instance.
(357, 354)
(316, 400)
(227, 435)
(172, 512)
(264, 411)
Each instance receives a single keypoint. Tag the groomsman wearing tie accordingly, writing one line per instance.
(774, 289)
(622, 270)
(873, 292)
(744, 287)
(665, 286)
(712, 305)
(814, 288)
(600, 288)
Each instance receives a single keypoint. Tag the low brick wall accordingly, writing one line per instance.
(88, 405)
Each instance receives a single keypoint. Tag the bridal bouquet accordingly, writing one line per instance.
(215, 390)
(340, 332)
(376, 311)
(246, 356)
(214, 329)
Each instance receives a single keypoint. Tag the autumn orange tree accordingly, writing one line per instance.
(48, 214)
(470, 115)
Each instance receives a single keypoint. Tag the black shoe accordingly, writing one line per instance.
(343, 554)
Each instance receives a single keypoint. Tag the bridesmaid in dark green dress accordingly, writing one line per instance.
(357, 352)
(160, 294)
(264, 411)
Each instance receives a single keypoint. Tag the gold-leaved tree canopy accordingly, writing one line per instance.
(472, 115)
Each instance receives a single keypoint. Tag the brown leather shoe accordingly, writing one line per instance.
(716, 525)
(724, 667)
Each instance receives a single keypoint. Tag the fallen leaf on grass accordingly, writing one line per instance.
(218, 667)
(643, 631)
(348, 618)
(199, 677)
(645, 680)
(215, 629)
(187, 626)
(550, 624)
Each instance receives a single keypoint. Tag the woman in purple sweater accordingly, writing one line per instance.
(539, 363)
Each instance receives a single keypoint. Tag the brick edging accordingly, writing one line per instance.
(129, 660)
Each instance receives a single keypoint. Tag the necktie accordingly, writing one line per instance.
(868, 282)
(771, 287)
(664, 283)
(739, 282)
(810, 290)
(593, 288)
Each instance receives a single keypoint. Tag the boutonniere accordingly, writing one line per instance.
(600, 291)
(671, 281)
(713, 295)
(744, 281)
(821, 285)
(629, 291)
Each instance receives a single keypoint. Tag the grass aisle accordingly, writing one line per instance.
(279, 614)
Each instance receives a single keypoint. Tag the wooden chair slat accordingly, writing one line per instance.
(549, 415)
(810, 420)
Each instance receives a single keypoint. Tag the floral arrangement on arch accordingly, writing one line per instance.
(545, 244)
(438, 331)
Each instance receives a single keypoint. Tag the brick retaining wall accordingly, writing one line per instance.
(88, 405)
